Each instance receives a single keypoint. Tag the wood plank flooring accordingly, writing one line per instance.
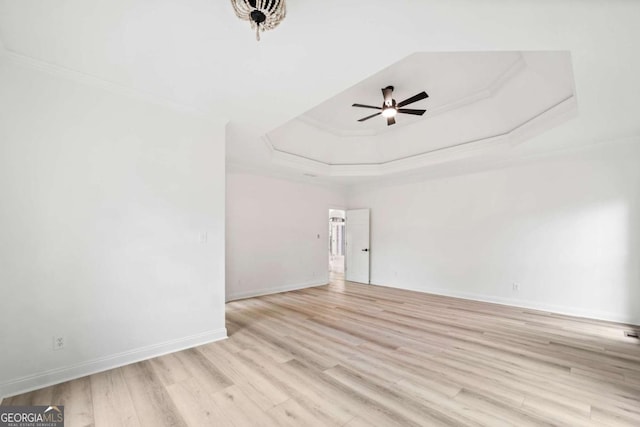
(355, 355)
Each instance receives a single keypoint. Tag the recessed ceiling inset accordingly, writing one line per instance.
(477, 101)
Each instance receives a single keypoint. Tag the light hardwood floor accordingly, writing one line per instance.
(358, 355)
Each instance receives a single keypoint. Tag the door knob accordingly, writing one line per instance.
(365, 250)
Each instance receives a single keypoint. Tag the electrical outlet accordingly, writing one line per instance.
(516, 287)
(204, 237)
(59, 342)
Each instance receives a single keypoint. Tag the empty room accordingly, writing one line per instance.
(304, 213)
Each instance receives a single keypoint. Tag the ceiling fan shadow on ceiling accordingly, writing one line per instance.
(390, 108)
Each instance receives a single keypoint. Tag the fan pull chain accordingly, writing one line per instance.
(258, 32)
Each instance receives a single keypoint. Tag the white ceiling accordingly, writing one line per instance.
(198, 54)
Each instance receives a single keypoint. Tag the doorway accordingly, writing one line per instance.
(337, 220)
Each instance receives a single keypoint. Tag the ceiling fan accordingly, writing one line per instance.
(390, 108)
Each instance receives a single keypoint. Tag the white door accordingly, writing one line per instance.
(357, 245)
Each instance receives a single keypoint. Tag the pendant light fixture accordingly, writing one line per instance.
(262, 14)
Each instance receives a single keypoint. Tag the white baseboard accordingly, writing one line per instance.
(82, 369)
(274, 290)
(551, 308)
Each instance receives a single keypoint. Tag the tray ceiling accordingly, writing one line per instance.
(475, 99)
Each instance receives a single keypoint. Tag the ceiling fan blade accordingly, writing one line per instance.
(414, 98)
(367, 106)
(387, 93)
(368, 117)
(410, 111)
(391, 121)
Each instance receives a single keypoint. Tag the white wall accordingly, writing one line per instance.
(273, 226)
(565, 228)
(103, 197)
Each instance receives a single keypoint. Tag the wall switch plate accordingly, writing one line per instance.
(59, 342)
(204, 237)
(516, 287)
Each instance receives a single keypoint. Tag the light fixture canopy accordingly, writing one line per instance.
(262, 14)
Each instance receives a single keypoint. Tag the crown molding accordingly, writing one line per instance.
(97, 82)
(555, 115)
(559, 113)
(295, 161)
(488, 91)
(518, 66)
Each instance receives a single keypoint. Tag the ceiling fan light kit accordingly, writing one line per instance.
(390, 108)
(262, 14)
